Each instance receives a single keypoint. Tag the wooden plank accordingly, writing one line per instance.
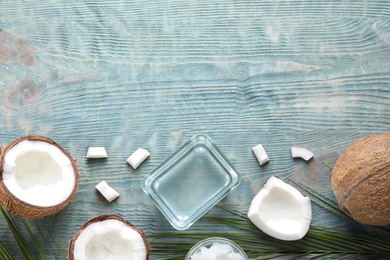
(129, 74)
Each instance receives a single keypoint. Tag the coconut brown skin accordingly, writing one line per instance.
(102, 218)
(361, 180)
(20, 208)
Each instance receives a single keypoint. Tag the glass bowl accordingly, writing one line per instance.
(190, 182)
(208, 242)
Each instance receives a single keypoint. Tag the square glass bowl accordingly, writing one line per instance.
(191, 182)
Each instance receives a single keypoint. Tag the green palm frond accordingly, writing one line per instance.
(43, 238)
(25, 243)
(319, 243)
(4, 252)
(34, 240)
(20, 240)
(57, 241)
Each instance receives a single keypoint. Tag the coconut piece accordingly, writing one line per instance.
(138, 157)
(215, 252)
(360, 180)
(38, 177)
(96, 153)
(301, 152)
(281, 211)
(109, 193)
(109, 237)
(260, 154)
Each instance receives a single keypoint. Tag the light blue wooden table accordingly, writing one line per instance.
(130, 74)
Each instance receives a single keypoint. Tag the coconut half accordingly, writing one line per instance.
(38, 177)
(281, 211)
(108, 237)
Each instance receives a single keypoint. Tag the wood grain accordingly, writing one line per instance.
(129, 74)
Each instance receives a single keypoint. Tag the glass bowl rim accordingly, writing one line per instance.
(210, 241)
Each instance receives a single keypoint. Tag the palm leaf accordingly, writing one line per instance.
(21, 241)
(331, 205)
(319, 243)
(33, 238)
(43, 239)
(25, 248)
(4, 252)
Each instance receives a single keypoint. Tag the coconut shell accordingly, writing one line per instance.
(103, 218)
(20, 208)
(361, 180)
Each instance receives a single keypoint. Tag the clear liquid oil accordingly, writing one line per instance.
(189, 185)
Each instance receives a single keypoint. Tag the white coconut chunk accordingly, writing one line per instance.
(260, 154)
(281, 211)
(138, 157)
(221, 248)
(109, 239)
(218, 251)
(300, 152)
(109, 193)
(234, 256)
(38, 173)
(97, 152)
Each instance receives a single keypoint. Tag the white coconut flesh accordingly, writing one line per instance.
(301, 152)
(109, 239)
(38, 173)
(281, 211)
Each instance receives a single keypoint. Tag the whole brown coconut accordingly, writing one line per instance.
(361, 180)
(26, 175)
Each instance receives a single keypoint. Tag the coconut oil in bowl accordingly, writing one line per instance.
(214, 248)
